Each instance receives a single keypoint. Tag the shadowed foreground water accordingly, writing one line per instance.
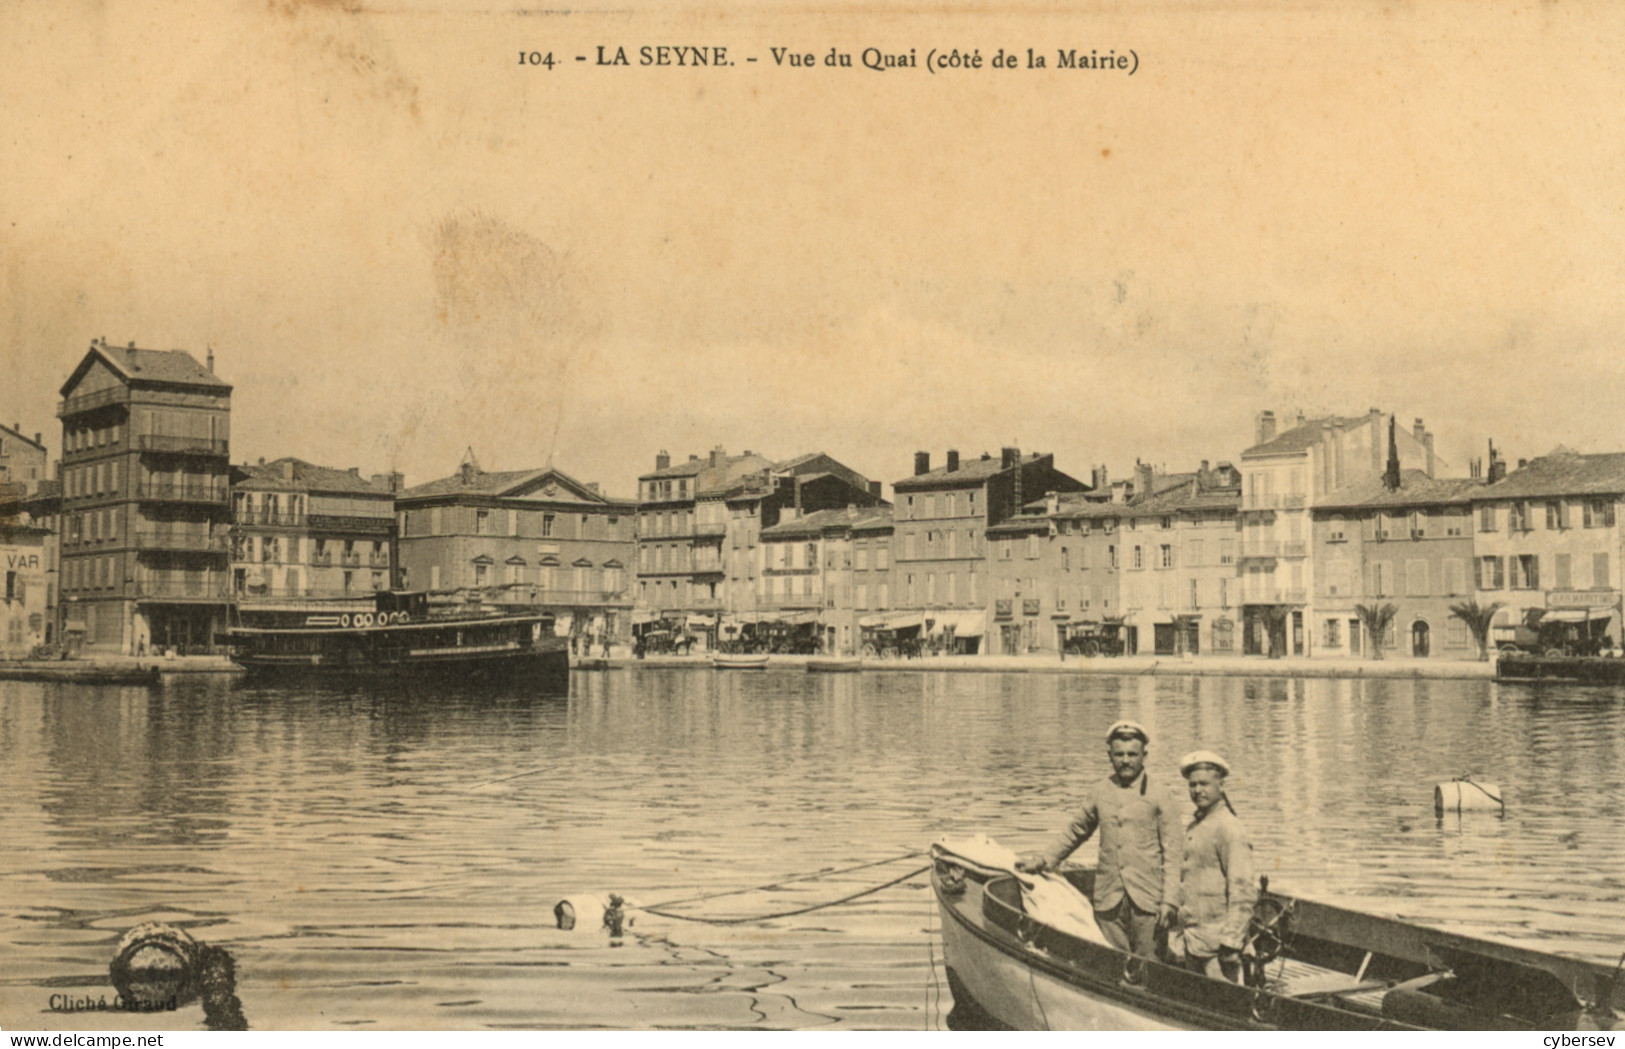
(390, 860)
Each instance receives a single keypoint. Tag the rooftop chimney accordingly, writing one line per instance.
(1052, 503)
(874, 489)
(953, 460)
(1427, 441)
(1266, 428)
(287, 470)
(1009, 458)
(1142, 478)
(1419, 431)
(662, 459)
(717, 456)
(1498, 466)
(208, 362)
(36, 437)
(922, 463)
(1390, 476)
(1522, 463)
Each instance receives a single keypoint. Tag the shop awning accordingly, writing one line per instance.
(872, 622)
(1576, 615)
(893, 621)
(641, 616)
(971, 624)
(701, 622)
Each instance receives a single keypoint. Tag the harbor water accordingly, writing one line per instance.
(390, 858)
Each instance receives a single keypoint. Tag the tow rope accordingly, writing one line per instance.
(747, 919)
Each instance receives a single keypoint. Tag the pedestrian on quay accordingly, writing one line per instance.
(1217, 888)
(1141, 844)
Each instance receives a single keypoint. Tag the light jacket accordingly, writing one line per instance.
(1217, 888)
(1141, 842)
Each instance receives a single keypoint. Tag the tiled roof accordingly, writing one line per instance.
(19, 435)
(969, 470)
(1561, 473)
(161, 366)
(694, 466)
(813, 523)
(1301, 437)
(1416, 488)
(306, 477)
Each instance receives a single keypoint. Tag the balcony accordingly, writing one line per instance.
(180, 542)
(270, 518)
(209, 589)
(1029, 606)
(1293, 597)
(158, 442)
(1267, 501)
(534, 596)
(790, 602)
(350, 560)
(1003, 607)
(711, 529)
(377, 560)
(322, 560)
(1261, 597)
(199, 494)
(1294, 548)
(1262, 550)
(84, 402)
(348, 523)
(1294, 502)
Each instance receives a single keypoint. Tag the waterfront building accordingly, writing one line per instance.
(41, 510)
(700, 562)
(941, 545)
(22, 460)
(303, 532)
(1547, 537)
(1283, 474)
(535, 539)
(145, 500)
(24, 615)
(1180, 545)
(1409, 545)
(830, 565)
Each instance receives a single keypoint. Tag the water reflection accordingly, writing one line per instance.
(391, 856)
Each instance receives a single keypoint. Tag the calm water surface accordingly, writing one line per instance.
(389, 859)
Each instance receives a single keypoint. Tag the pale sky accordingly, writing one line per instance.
(401, 243)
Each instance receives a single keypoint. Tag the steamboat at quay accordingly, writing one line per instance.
(395, 635)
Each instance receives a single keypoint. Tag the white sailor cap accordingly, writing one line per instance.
(1203, 757)
(1128, 730)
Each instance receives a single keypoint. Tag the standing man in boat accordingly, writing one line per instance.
(1141, 844)
(1217, 888)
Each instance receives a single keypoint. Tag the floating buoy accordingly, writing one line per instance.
(1465, 794)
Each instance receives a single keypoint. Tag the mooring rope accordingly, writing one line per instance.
(814, 876)
(747, 919)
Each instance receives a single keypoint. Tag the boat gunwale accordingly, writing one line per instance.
(417, 624)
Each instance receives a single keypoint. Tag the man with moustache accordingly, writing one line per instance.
(1217, 888)
(1141, 844)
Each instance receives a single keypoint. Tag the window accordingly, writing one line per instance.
(1032, 546)
(1111, 557)
(1525, 569)
(1004, 550)
(1382, 579)
(1452, 524)
(1195, 596)
(1334, 633)
(1599, 571)
(1227, 551)
(1455, 574)
(863, 557)
(1139, 556)
(547, 526)
(479, 576)
(1416, 578)
(882, 558)
(1455, 633)
(1518, 517)
(1335, 528)
(1193, 553)
(1486, 519)
(1419, 524)
(1167, 555)
(1555, 517)
(1561, 571)
(861, 595)
(1599, 513)
(1489, 573)
(1337, 578)
(482, 522)
(1166, 522)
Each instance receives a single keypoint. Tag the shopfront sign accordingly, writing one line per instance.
(1582, 598)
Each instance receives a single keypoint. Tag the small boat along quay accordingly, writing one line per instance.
(127, 670)
(1204, 666)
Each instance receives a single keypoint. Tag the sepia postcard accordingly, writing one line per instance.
(528, 267)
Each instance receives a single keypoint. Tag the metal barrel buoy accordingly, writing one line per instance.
(155, 964)
(1465, 794)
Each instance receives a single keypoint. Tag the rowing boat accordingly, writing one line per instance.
(1312, 966)
(738, 661)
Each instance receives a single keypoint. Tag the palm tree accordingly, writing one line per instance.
(1478, 618)
(1377, 619)
(1275, 628)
